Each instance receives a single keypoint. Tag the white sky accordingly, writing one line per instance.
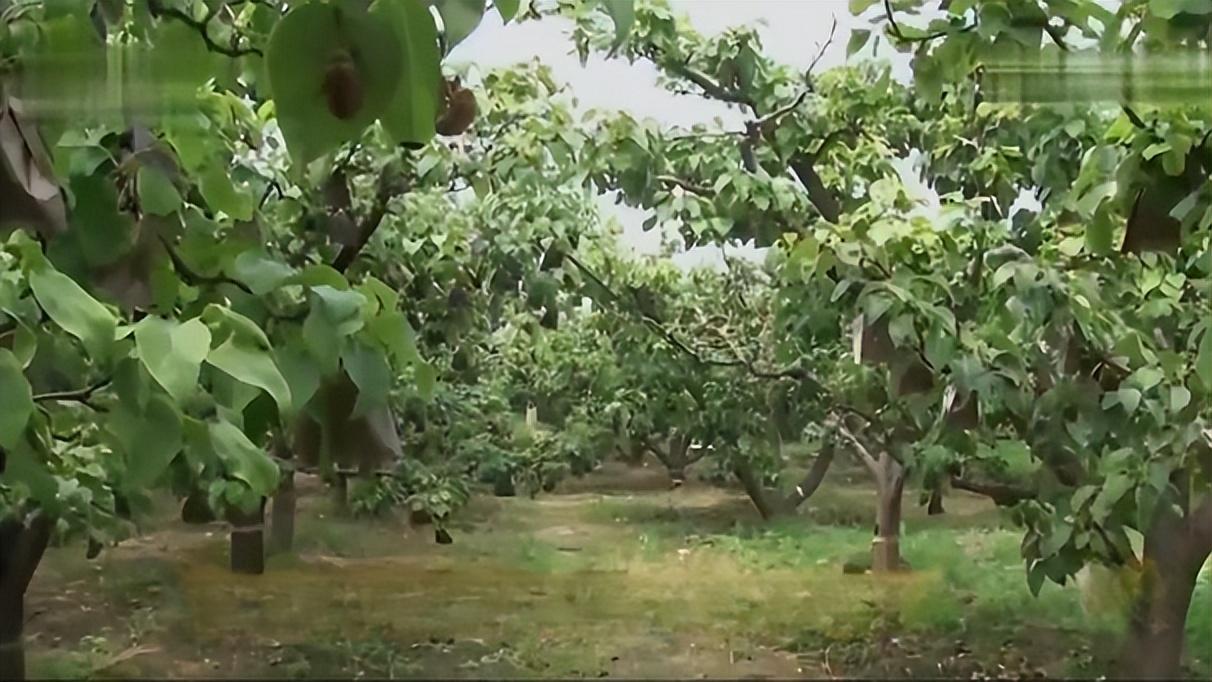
(792, 32)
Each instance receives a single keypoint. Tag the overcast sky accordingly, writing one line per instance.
(792, 32)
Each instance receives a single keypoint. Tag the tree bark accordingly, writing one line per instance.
(248, 540)
(282, 519)
(886, 547)
(21, 547)
(1175, 551)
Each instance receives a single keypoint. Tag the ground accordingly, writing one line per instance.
(614, 575)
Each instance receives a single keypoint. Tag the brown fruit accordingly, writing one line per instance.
(458, 109)
(342, 87)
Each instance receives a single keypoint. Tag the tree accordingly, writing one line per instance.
(193, 292)
(1059, 281)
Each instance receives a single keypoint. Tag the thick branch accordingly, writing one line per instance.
(1003, 494)
(860, 451)
(370, 222)
(711, 87)
(814, 477)
(818, 194)
(28, 541)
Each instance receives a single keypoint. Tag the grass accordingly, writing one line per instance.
(649, 583)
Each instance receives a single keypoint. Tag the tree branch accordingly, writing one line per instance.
(686, 185)
(896, 29)
(194, 278)
(79, 395)
(1002, 494)
(711, 87)
(814, 477)
(860, 450)
(203, 28)
(370, 222)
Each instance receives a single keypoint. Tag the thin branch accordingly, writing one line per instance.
(782, 111)
(192, 277)
(821, 53)
(686, 185)
(899, 35)
(79, 395)
(203, 28)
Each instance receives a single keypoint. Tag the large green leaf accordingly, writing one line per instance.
(508, 9)
(242, 459)
(16, 400)
(410, 115)
(261, 273)
(459, 18)
(74, 310)
(368, 369)
(302, 373)
(333, 70)
(397, 336)
(622, 12)
(156, 192)
(221, 195)
(253, 366)
(173, 352)
(150, 439)
(1203, 360)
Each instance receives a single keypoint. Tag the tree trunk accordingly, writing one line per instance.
(770, 505)
(756, 491)
(248, 540)
(21, 549)
(340, 494)
(282, 519)
(886, 547)
(1175, 551)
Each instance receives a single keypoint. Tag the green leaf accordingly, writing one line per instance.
(1113, 489)
(1203, 359)
(1169, 9)
(1129, 398)
(156, 192)
(342, 308)
(24, 466)
(333, 70)
(397, 336)
(16, 399)
(220, 195)
(410, 115)
(1180, 397)
(860, 6)
(1099, 234)
(242, 459)
(1035, 578)
(150, 439)
(173, 353)
(459, 18)
(300, 372)
(369, 370)
(1146, 378)
(427, 378)
(622, 13)
(858, 38)
(74, 310)
(507, 8)
(1056, 540)
(261, 273)
(255, 367)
